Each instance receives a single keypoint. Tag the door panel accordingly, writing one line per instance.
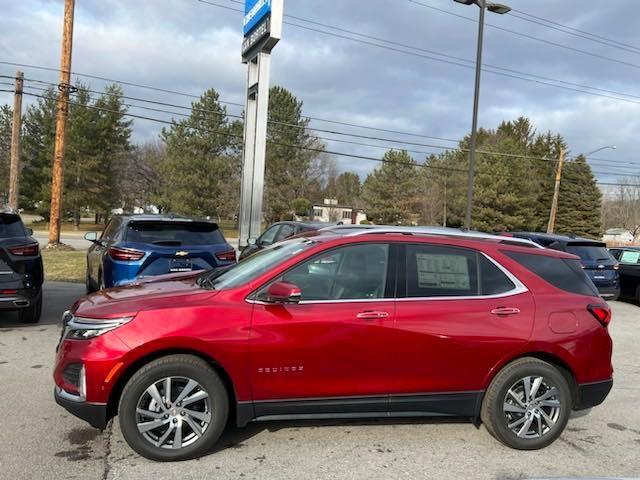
(320, 350)
(335, 342)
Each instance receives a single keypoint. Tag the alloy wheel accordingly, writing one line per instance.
(173, 412)
(532, 407)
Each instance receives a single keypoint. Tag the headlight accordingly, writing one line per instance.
(79, 328)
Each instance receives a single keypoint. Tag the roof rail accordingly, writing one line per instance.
(354, 230)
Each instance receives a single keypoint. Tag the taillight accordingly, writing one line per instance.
(25, 250)
(229, 256)
(125, 254)
(8, 292)
(601, 312)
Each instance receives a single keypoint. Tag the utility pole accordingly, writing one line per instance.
(61, 123)
(16, 131)
(556, 193)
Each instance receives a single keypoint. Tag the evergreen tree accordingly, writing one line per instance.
(6, 122)
(348, 189)
(292, 155)
(201, 171)
(391, 192)
(580, 201)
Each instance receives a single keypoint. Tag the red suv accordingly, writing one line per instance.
(345, 322)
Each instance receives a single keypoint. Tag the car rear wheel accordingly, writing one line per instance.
(88, 283)
(527, 405)
(32, 313)
(174, 408)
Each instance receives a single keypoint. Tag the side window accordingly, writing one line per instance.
(435, 271)
(492, 280)
(630, 257)
(356, 272)
(268, 237)
(616, 253)
(285, 231)
(565, 274)
(110, 230)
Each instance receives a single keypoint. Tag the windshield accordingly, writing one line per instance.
(255, 265)
(590, 253)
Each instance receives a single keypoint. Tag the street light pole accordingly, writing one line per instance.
(474, 122)
(612, 147)
(501, 10)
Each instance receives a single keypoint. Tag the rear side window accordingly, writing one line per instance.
(493, 281)
(565, 274)
(11, 226)
(174, 233)
(589, 253)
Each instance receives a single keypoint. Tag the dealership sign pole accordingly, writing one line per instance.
(262, 31)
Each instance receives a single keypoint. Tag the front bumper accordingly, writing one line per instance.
(592, 394)
(93, 413)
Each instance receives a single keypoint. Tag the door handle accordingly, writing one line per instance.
(500, 311)
(371, 315)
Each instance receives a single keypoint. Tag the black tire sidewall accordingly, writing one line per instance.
(201, 373)
(33, 312)
(497, 417)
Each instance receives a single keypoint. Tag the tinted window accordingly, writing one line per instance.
(174, 234)
(111, 229)
(492, 280)
(11, 226)
(615, 253)
(589, 253)
(355, 272)
(434, 271)
(564, 274)
(285, 231)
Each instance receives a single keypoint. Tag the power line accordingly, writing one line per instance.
(552, 22)
(386, 147)
(531, 37)
(469, 64)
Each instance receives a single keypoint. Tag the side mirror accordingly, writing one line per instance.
(251, 241)
(283, 292)
(91, 236)
(29, 231)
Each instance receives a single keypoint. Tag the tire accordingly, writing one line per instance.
(638, 295)
(172, 420)
(32, 313)
(513, 377)
(100, 282)
(88, 283)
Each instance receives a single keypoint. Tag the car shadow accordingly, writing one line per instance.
(234, 437)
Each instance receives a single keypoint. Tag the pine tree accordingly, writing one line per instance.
(580, 201)
(391, 192)
(348, 189)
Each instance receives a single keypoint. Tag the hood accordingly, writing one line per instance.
(146, 294)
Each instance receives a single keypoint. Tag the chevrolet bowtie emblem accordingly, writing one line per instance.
(182, 254)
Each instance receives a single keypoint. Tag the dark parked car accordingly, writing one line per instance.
(597, 262)
(629, 260)
(135, 246)
(278, 232)
(21, 273)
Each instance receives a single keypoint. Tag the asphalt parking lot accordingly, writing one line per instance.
(38, 439)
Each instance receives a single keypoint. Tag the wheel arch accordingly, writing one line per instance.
(133, 367)
(548, 357)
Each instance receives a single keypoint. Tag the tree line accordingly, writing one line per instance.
(194, 167)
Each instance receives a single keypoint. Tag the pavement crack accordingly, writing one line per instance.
(108, 432)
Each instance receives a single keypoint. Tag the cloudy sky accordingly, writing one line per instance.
(188, 46)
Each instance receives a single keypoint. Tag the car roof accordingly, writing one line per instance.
(637, 249)
(552, 237)
(6, 210)
(163, 217)
(315, 225)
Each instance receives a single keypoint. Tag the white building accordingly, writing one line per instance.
(618, 236)
(330, 211)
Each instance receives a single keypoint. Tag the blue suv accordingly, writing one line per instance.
(135, 246)
(598, 263)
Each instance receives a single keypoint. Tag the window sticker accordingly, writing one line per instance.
(630, 257)
(443, 271)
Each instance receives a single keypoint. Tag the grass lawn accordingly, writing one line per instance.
(68, 227)
(64, 266)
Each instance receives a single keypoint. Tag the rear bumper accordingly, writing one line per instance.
(21, 299)
(592, 394)
(94, 414)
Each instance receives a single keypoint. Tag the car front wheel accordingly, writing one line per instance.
(174, 408)
(527, 405)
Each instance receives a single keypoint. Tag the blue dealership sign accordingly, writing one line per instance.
(254, 12)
